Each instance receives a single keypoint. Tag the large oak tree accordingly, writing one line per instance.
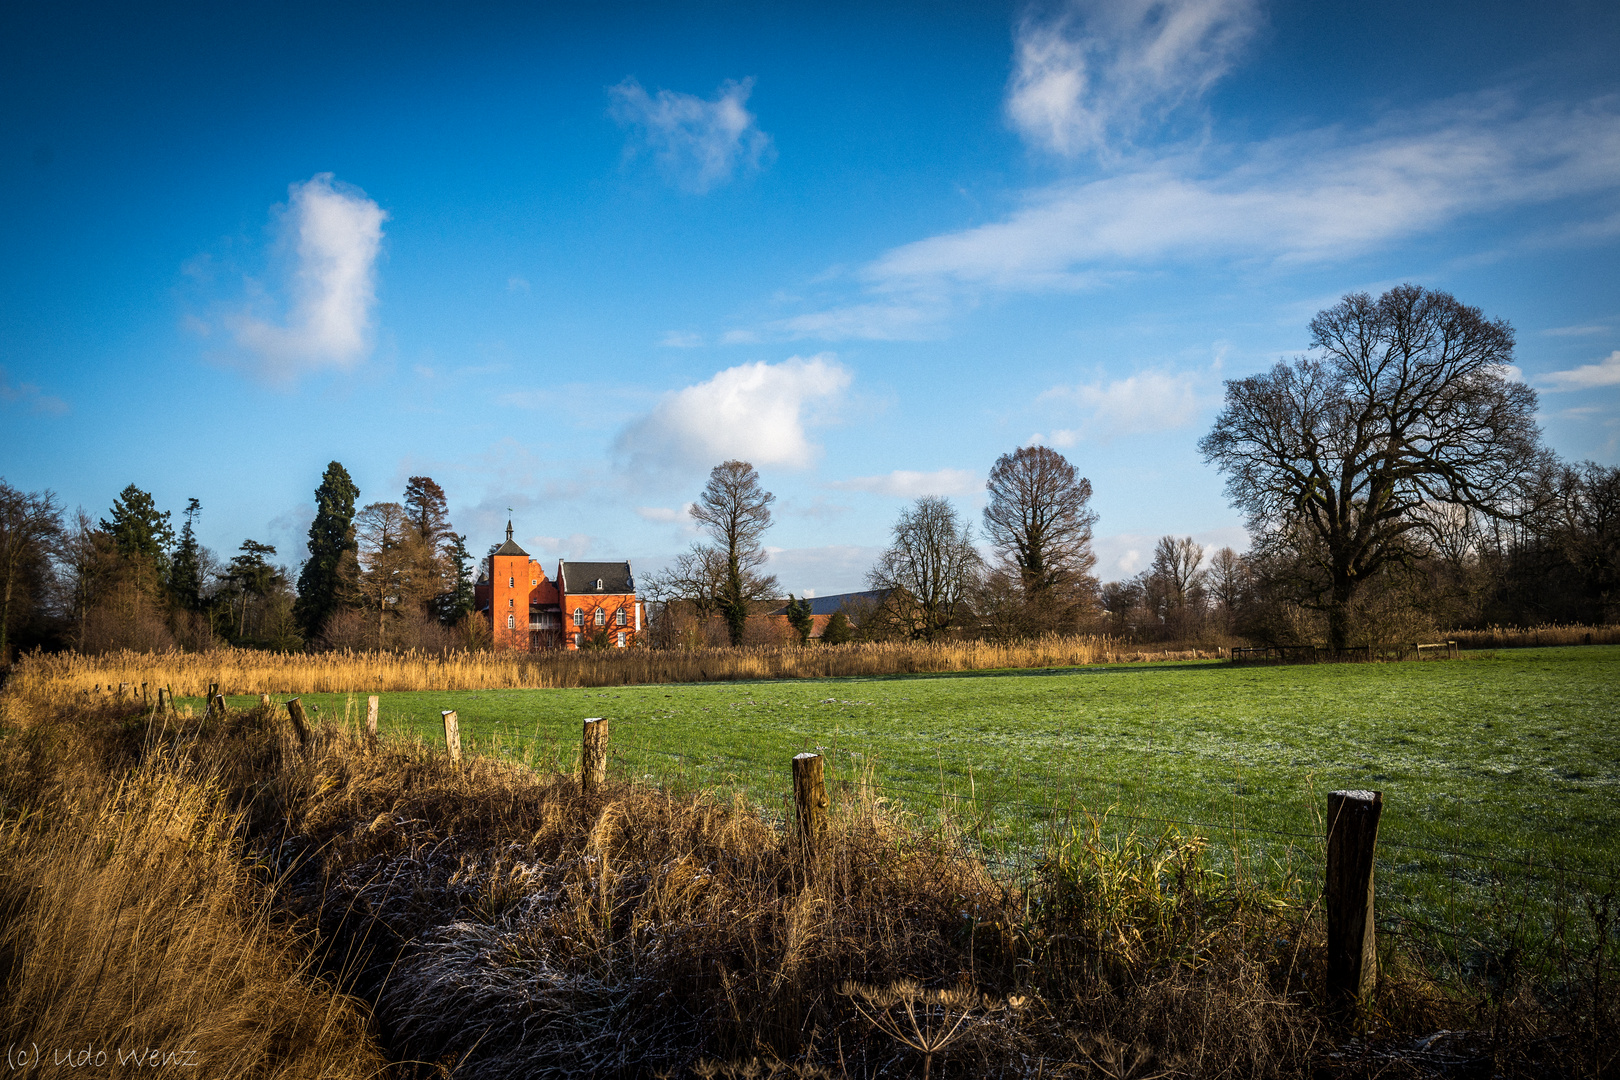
(1406, 403)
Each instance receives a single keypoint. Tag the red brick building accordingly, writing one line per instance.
(587, 603)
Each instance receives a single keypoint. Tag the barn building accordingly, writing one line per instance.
(588, 603)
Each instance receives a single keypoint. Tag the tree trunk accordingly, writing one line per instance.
(1344, 587)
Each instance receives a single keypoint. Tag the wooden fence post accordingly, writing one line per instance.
(164, 705)
(371, 716)
(452, 734)
(295, 709)
(1352, 961)
(593, 753)
(810, 794)
(218, 705)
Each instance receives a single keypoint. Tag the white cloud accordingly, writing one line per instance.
(739, 337)
(906, 484)
(1304, 198)
(1142, 404)
(822, 571)
(517, 284)
(756, 412)
(335, 232)
(30, 394)
(1575, 331)
(1096, 69)
(680, 339)
(699, 144)
(1606, 372)
(666, 515)
(1308, 198)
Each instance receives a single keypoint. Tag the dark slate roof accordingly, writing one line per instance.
(826, 605)
(579, 578)
(510, 548)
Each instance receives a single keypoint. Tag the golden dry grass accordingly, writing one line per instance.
(1527, 637)
(248, 671)
(133, 937)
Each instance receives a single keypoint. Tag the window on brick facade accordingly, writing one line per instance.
(601, 617)
(579, 639)
(511, 622)
(511, 583)
(620, 617)
(510, 602)
(621, 639)
(579, 617)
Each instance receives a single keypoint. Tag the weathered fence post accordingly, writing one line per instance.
(164, 707)
(218, 705)
(264, 701)
(452, 734)
(593, 753)
(810, 794)
(1352, 961)
(295, 709)
(371, 716)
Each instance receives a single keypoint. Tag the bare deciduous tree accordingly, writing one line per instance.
(1228, 585)
(928, 569)
(1039, 523)
(735, 509)
(383, 532)
(1406, 402)
(30, 531)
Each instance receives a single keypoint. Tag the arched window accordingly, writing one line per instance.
(621, 639)
(620, 618)
(601, 617)
(579, 617)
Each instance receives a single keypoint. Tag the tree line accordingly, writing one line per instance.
(1393, 481)
(388, 575)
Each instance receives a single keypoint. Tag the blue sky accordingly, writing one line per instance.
(565, 261)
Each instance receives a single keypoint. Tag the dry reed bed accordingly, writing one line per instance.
(1526, 637)
(248, 671)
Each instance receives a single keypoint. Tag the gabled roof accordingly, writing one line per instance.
(826, 605)
(580, 578)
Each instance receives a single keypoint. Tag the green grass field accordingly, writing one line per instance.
(1495, 769)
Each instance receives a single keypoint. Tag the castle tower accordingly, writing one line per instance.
(509, 594)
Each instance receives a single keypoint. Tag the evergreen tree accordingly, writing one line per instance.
(142, 537)
(186, 571)
(457, 602)
(329, 576)
(252, 576)
(426, 506)
(798, 616)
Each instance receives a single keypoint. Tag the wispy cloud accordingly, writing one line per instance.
(1314, 197)
(1576, 331)
(1092, 72)
(906, 484)
(1146, 403)
(664, 515)
(758, 412)
(1606, 372)
(699, 144)
(30, 395)
(335, 234)
(680, 339)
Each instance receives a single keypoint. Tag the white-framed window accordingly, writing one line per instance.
(511, 583)
(534, 581)
(510, 602)
(601, 617)
(579, 617)
(621, 639)
(620, 619)
(598, 584)
(511, 622)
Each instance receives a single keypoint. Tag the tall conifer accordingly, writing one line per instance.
(328, 578)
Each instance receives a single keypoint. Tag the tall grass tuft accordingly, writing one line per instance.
(132, 933)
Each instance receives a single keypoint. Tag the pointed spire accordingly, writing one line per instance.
(509, 529)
